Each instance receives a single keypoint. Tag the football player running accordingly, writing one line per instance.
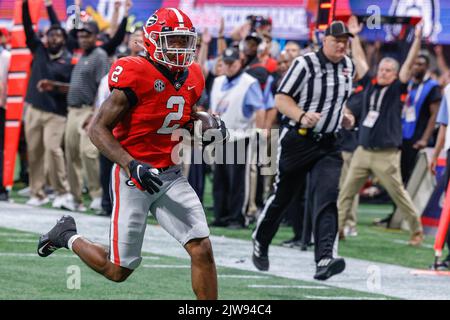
(150, 98)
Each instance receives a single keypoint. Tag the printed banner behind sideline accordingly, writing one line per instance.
(435, 14)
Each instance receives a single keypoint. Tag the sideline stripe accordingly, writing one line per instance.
(16, 234)
(33, 255)
(420, 272)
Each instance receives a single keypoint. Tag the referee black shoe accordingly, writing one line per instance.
(57, 237)
(260, 256)
(328, 267)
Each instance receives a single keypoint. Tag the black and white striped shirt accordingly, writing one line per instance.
(319, 85)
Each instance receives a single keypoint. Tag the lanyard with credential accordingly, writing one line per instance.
(418, 93)
(372, 101)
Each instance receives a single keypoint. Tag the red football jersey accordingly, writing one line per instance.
(163, 105)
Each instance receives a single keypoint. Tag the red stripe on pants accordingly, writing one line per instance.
(116, 216)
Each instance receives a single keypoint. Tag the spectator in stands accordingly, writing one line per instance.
(109, 46)
(46, 110)
(238, 99)
(264, 54)
(419, 114)
(81, 154)
(5, 57)
(251, 47)
(380, 132)
(292, 49)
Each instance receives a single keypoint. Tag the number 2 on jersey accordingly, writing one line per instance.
(115, 75)
(173, 116)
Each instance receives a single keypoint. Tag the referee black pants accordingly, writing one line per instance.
(298, 156)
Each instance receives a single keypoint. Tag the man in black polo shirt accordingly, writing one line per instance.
(81, 154)
(46, 111)
(380, 134)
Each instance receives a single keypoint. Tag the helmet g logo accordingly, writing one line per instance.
(152, 20)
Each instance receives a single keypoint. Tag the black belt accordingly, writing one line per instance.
(316, 136)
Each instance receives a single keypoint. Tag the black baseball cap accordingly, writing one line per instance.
(230, 54)
(338, 28)
(89, 26)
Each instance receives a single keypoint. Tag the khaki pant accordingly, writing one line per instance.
(44, 132)
(385, 165)
(81, 155)
(351, 217)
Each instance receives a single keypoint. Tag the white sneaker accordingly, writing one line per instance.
(96, 204)
(59, 200)
(36, 202)
(350, 231)
(69, 203)
(25, 192)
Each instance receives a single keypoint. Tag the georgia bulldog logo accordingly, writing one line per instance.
(152, 20)
(429, 10)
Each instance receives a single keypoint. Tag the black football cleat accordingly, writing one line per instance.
(260, 256)
(328, 267)
(57, 237)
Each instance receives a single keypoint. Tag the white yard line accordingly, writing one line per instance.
(166, 266)
(360, 275)
(276, 286)
(241, 276)
(342, 298)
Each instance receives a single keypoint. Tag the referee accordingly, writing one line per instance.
(311, 98)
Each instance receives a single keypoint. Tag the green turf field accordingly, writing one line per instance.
(27, 276)
(372, 243)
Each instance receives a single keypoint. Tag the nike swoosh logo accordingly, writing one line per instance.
(190, 88)
(41, 250)
(137, 171)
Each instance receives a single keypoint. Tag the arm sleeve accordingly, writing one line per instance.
(122, 76)
(253, 100)
(52, 16)
(442, 117)
(32, 39)
(116, 40)
(435, 94)
(294, 80)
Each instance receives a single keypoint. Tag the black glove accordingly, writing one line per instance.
(143, 176)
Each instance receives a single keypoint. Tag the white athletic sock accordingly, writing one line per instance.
(71, 240)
